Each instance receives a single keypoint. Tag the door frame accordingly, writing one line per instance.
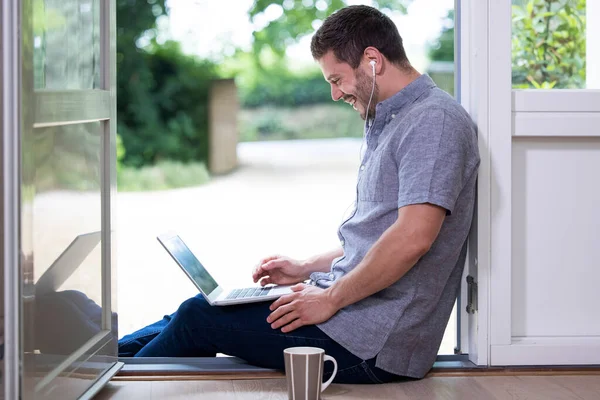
(22, 110)
(485, 59)
(10, 84)
(502, 113)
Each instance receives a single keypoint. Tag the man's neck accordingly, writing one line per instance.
(394, 80)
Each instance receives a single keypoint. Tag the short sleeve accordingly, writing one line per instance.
(435, 159)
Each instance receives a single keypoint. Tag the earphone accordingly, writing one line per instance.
(372, 63)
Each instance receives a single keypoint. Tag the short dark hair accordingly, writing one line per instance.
(350, 30)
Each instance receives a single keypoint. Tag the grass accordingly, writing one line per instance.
(164, 175)
(318, 121)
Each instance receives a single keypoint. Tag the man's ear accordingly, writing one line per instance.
(374, 59)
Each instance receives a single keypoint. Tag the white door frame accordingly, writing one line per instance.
(501, 114)
(485, 93)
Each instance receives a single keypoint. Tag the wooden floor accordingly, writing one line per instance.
(579, 387)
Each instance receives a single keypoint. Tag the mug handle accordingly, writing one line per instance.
(329, 358)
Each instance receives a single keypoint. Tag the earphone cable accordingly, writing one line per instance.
(360, 155)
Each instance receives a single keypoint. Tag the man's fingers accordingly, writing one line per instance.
(270, 258)
(259, 269)
(288, 298)
(265, 281)
(298, 287)
(279, 312)
(285, 319)
(256, 272)
(259, 272)
(293, 326)
(268, 266)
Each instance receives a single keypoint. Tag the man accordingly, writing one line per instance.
(380, 303)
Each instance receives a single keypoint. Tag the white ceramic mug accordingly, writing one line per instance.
(304, 372)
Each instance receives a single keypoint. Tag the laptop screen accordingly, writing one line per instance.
(190, 263)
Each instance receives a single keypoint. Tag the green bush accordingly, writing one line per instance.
(305, 122)
(548, 45)
(162, 94)
(279, 87)
(163, 175)
(163, 107)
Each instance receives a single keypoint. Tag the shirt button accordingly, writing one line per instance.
(393, 116)
(331, 275)
(343, 242)
(362, 167)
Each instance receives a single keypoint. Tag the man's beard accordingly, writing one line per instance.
(364, 85)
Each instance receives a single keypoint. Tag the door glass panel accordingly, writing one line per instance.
(62, 311)
(66, 44)
(550, 44)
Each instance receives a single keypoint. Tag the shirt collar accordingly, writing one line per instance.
(405, 96)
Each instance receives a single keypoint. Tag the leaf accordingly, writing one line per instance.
(548, 46)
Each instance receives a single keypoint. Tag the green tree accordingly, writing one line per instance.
(162, 94)
(548, 45)
(162, 100)
(262, 74)
(134, 19)
(299, 18)
(442, 49)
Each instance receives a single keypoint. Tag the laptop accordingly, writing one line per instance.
(68, 261)
(215, 294)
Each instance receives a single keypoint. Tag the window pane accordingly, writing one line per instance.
(549, 44)
(66, 44)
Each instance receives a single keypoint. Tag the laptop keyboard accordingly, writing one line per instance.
(248, 292)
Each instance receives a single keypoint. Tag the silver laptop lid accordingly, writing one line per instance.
(188, 262)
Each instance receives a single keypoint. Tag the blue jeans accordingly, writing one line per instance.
(198, 329)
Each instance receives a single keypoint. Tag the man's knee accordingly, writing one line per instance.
(192, 307)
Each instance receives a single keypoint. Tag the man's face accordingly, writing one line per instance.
(352, 86)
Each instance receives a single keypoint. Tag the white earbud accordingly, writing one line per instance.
(373, 62)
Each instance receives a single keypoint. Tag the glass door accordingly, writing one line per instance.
(66, 105)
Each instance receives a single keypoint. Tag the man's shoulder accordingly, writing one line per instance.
(436, 102)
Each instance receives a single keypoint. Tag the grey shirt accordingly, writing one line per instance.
(422, 148)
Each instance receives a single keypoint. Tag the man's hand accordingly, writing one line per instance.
(280, 271)
(308, 305)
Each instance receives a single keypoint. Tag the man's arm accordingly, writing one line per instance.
(392, 256)
(322, 262)
(286, 271)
